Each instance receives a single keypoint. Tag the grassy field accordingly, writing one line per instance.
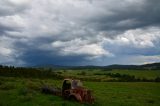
(26, 92)
(101, 74)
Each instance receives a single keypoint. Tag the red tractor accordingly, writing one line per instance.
(74, 90)
(71, 90)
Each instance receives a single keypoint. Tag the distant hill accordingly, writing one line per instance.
(152, 66)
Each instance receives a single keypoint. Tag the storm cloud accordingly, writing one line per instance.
(79, 32)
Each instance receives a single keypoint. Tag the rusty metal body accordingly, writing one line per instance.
(73, 90)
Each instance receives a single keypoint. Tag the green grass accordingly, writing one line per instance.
(126, 93)
(26, 92)
(149, 74)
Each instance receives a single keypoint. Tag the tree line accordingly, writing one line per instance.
(11, 71)
(127, 78)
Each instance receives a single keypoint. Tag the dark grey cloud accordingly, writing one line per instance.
(11, 7)
(128, 15)
(79, 32)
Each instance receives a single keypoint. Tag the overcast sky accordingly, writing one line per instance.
(79, 32)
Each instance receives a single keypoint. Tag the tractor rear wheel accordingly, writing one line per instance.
(72, 98)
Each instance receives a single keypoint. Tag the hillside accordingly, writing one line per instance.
(152, 66)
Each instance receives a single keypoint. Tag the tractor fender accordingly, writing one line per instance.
(76, 96)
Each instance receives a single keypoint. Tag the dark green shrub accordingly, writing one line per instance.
(7, 86)
(150, 101)
(59, 72)
(157, 79)
(23, 91)
(26, 98)
(82, 73)
(33, 86)
(1, 82)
